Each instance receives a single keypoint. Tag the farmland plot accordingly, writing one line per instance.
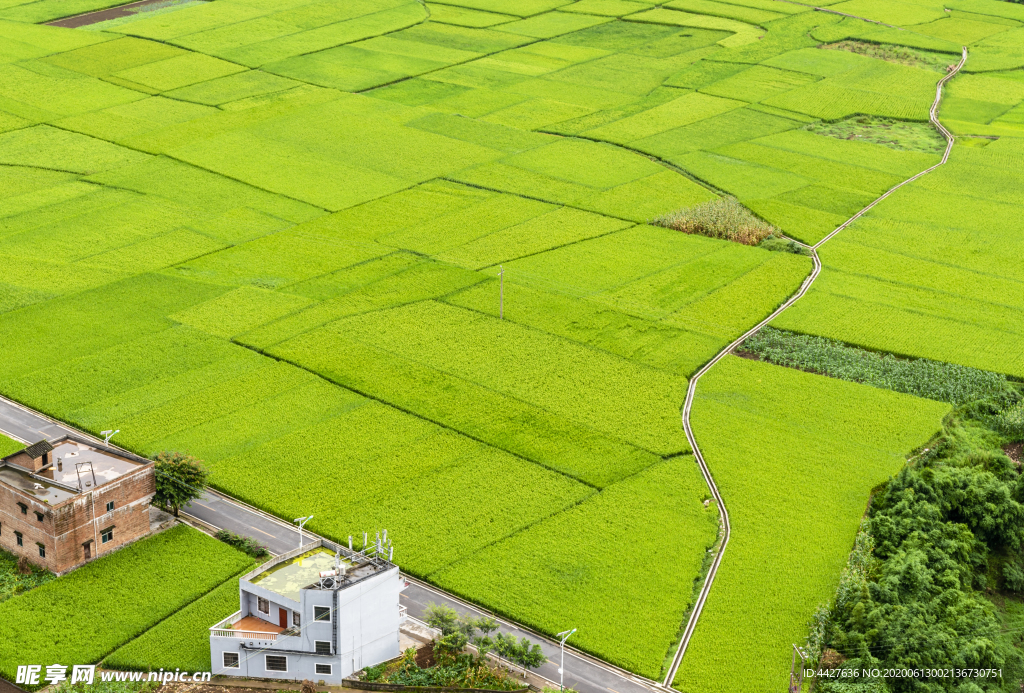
(795, 492)
(87, 613)
(181, 641)
(935, 293)
(566, 558)
(187, 197)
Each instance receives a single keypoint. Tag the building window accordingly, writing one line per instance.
(87, 549)
(324, 669)
(322, 646)
(42, 550)
(296, 619)
(110, 506)
(263, 605)
(230, 660)
(24, 508)
(39, 517)
(107, 535)
(277, 663)
(18, 538)
(321, 613)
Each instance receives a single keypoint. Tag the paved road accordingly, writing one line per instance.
(26, 426)
(217, 510)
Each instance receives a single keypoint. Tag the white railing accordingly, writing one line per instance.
(403, 612)
(226, 623)
(244, 634)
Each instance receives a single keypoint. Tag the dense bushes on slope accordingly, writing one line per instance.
(943, 532)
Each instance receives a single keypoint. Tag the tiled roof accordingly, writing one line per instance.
(37, 450)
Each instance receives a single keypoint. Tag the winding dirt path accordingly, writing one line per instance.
(692, 390)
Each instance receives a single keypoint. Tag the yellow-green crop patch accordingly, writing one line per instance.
(820, 446)
(85, 614)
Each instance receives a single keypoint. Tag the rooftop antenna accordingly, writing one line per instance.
(385, 536)
(107, 435)
(391, 553)
(350, 543)
(78, 470)
(364, 541)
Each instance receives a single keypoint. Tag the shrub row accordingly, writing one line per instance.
(945, 382)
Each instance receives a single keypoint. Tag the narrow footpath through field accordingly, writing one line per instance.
(804, 287)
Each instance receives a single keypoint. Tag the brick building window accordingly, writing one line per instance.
(87, 550)
(20, 541)
(107, 535)
(24, 508)
(110, 506)
(42, 550)
(39, 517)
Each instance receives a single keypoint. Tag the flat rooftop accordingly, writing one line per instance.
(68, 468)
(74, 466)
(291, 576)
(288, 575)
(22, 480)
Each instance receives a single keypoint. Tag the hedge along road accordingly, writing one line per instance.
(691, 624)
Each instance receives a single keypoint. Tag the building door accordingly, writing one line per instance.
(88, 549)
(284, 618)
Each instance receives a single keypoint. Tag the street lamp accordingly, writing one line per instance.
(107, 435)
(561, 667)
(301, 521)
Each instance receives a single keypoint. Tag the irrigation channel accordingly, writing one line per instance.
(691, 624)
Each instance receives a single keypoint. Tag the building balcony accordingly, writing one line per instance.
(249, 628)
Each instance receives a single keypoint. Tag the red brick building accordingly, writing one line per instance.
(68, 501)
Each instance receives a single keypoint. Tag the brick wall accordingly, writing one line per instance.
(68, 526)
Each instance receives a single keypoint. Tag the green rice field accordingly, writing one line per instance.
(408, 246)
(84, 615)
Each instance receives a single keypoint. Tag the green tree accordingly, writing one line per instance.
(519, 651)
(442, 617)
(180, 479)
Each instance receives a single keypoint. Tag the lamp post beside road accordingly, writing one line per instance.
(301, 521)
(561, 666)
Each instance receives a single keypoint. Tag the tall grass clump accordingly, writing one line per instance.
(1010, 421)
(723, 218)
(945, 382)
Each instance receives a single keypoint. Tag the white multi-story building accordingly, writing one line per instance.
(321, 612)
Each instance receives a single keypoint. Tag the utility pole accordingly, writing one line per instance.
(501, 292)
